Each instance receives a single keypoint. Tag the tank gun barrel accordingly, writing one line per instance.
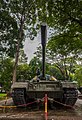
(43, 42)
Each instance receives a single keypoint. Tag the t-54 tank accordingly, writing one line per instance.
(62, 91)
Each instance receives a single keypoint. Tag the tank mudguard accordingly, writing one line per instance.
(69, 84)
(19, 85)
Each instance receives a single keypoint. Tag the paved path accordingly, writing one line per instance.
(16, 114)
(8, 101)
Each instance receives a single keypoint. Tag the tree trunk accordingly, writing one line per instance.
(16, 63)
(65, 68)
(18, 48)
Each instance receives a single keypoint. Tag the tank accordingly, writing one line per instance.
(58, 91)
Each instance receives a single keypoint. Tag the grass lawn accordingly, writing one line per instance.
(2, 96)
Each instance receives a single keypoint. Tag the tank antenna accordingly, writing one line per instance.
(43, 42)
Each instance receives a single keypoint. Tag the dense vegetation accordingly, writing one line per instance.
(20, 19)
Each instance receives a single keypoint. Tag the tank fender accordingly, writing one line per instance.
(69, 85)
(19, 85)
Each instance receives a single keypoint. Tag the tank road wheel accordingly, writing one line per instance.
(70, 96)
(18, 96)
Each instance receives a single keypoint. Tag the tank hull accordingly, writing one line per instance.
(41, 94)
(29, 92)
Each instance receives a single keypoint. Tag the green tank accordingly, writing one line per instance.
(58, 91)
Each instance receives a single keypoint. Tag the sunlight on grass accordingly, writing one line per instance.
(2, 96)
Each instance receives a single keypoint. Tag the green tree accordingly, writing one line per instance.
(66, 50)
(22, 57)
(67, 19)
(8, 31)
(34, 64)
(24, 14)
(78, 75)
(23, 72)
(6, 72)
(54, 71)
(65, 14)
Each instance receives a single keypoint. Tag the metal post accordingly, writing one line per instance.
(46, 112)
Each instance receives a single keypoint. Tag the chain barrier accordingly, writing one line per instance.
(44, 99)
(27, 104)
(5, 106)
(37, 101)
(65, 105)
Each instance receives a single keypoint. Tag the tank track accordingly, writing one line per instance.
(18, 96)
(70, 96)
(80, 89)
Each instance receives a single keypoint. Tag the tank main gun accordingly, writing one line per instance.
(43, 42)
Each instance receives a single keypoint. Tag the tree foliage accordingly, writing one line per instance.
(8, 31)
(35, 64)
(78, 75)
(6, 71)
(66, 18)
(21, 18)
(23, 72)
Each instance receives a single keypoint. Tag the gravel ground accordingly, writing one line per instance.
(25, 114)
